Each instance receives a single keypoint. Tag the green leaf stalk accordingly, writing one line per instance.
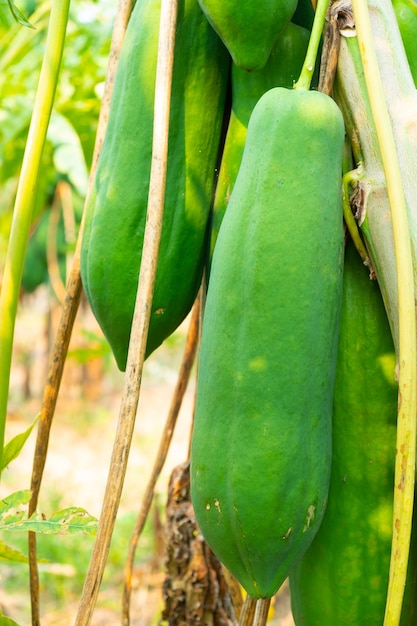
(25, 197)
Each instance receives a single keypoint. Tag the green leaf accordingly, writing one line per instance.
(14, 500)
(19, 17)
(70, 521)
(11, 554)
(7, 621)
(12, 449)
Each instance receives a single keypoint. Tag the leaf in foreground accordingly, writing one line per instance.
(20, 19)
(11, 554)
(12, 449)
(13, 501)
(7, 621)
(69, 521)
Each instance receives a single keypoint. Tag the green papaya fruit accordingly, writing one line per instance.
(343, 576)
(282, 70)
(406, 14)
(116, 212)
(304, 14)
(261, 445)
(249, 29)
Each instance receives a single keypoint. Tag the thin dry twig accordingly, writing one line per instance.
(181, 386)
(248, 611)
(49, 400)
(331, 47)
(62, 202)
(261, 611)
(137, 346)
(235, 591)
(66, 323)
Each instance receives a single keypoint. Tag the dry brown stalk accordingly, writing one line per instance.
(68, 314)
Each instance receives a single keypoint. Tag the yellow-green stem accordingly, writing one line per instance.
(310, 60)
(25, 196)
(406, 424)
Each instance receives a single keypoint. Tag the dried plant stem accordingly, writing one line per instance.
(261, 612)
(137, 346)
(68, 314)
(235, 591)
(248, 611)
(181, 386)
(69, 311)
(330, 52)
(62, 201)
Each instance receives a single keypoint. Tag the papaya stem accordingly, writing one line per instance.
(25, 196)
(307, 71)
(407, 404)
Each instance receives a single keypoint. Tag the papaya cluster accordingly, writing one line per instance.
(292, 456)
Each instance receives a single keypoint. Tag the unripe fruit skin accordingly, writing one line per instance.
(343, 576)
(248, 29)
(261, 446)
(116, 210)
(282, 70)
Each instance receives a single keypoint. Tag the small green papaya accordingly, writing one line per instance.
(116, 211)
(249, 29)
(261, 444)
(281, 70)
(343, 576)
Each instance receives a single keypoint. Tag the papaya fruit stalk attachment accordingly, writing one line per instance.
(137, 347)
(305, 78)
(391, 149)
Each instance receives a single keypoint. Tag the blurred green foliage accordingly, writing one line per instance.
(70, 142)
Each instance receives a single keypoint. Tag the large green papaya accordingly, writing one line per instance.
(261, 445)
(343, 576)
(249, 29)
(116, 212)
(282, 70)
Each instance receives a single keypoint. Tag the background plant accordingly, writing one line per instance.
(68, 151)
